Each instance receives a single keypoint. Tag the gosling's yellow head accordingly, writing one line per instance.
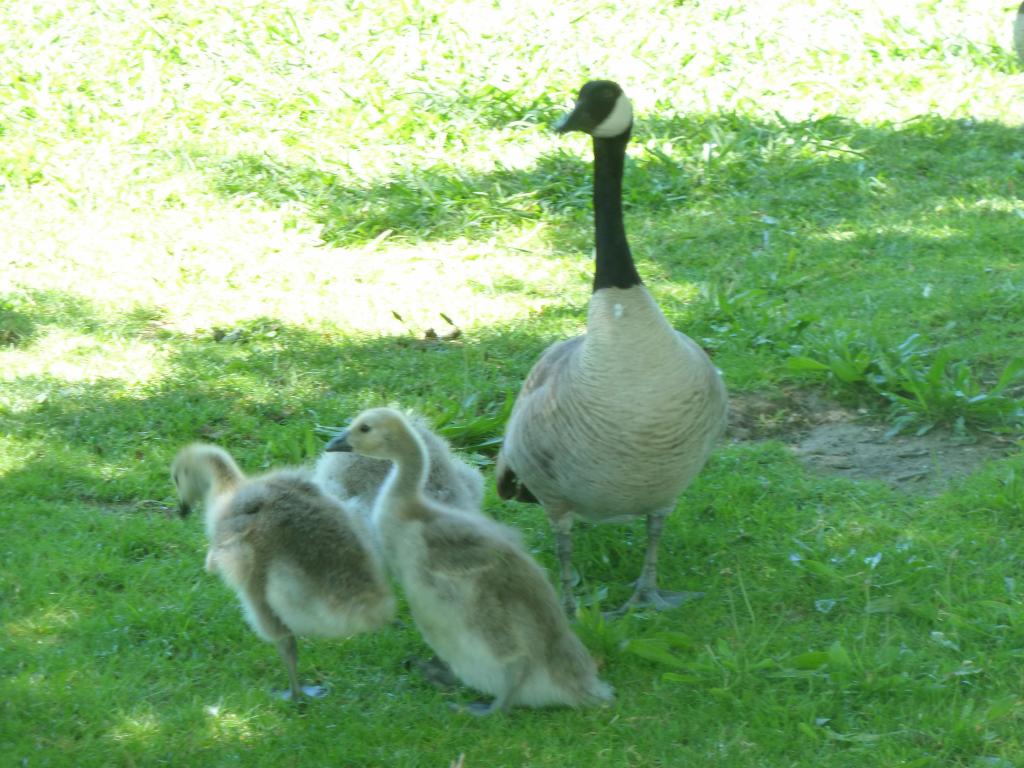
(195, 469)
(379, 433)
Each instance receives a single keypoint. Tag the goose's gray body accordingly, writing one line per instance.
(1018, 32)
(617, 422)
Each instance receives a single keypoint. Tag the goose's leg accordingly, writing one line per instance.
(647, 592)
(562, 523)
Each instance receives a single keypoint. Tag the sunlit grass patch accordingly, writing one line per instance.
(67, 358)
(45, 628)
(224, 724)
(137, 727)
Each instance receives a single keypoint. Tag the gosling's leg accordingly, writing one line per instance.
(270, 627)
(436, 672)
(288, 649)
(647, 593)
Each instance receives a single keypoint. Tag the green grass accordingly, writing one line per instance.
(237, 223)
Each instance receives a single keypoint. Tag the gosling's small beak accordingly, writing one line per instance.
(339, 444)
(184, 510)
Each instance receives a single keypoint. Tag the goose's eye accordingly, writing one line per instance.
(364, 427)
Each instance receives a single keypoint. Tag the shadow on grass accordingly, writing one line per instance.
(825, 172)
(262, 394)
(16, 328)
(266, 397)
(415, 204)
(23, 313)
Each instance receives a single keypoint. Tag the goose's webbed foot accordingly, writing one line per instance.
(659, 600)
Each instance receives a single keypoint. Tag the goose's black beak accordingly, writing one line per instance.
(339, 444)
(184, 510)
(570, 121)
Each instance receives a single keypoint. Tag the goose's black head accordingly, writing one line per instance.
(602, 110)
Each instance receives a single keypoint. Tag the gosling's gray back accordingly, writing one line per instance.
(285, 516)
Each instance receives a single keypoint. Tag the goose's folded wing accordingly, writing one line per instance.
(539, 393)
(542, 375)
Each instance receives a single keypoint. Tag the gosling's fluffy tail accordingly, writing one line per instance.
(574, 668)
(591, 690)
(598, 693)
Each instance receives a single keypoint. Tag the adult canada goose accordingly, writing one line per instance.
(615, 423)
(1018, 32)
(479, 600)
(357, 479)
(300, 564)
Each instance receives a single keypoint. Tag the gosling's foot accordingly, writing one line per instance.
(435, 671)
(659, 600)
(305, 692)
(477, 708)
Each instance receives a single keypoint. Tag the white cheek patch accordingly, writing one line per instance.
(618, 121)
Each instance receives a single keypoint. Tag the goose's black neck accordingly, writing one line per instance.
(614, 266)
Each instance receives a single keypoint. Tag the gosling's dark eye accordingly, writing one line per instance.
(364, 427)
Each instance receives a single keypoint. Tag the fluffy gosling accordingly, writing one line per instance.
(299, 562)
(479, 600)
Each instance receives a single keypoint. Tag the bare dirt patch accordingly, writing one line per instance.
(831, 438)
